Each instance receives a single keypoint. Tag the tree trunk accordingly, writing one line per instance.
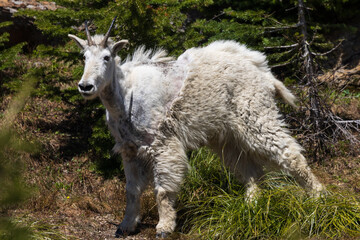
(316, 111)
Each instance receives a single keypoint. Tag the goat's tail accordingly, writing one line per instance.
(285, 93)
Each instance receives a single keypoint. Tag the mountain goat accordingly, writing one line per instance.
(157, 108)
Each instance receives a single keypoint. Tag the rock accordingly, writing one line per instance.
(23, 28)
(34, 4)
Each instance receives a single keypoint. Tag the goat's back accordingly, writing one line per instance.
(227, 86)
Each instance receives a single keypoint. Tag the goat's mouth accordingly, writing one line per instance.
(87, 91)
(88, 95)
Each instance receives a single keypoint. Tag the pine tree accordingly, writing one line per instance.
(321, 124)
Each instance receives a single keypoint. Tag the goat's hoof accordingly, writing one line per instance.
(162, 235)
(120, 233)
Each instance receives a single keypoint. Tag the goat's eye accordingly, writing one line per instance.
(106, 58)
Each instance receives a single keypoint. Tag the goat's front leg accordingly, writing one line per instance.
(169, 169)
(137, 178)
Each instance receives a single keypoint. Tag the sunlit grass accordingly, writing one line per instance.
(45, 231)
(30, 229)
(214, 207)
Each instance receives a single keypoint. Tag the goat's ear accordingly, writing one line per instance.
(118, 46)
(80, 42)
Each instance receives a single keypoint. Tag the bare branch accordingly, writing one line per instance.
(218, 15)
(290, 9)
(328, 52)
(283, 47)
(277, 22)
(283, 64)
(345, 126)
(349, 121)
(276, 29)
(285, 27)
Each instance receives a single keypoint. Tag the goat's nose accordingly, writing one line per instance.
(86, 87)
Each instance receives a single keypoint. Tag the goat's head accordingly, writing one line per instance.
(99, 55)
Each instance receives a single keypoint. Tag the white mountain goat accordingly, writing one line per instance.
(157, 108)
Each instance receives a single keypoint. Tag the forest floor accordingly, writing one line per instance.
(69, 199)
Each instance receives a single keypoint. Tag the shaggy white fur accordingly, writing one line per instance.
(221, 96)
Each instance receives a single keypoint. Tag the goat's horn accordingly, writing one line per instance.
(104, 41)
(90, 42)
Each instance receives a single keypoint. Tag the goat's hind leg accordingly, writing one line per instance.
(250, 172)
(286, 154)
(295, 163)
(137, 178)
(244, 167)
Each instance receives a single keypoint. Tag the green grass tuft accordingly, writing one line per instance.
(214, 207)
(30, 229)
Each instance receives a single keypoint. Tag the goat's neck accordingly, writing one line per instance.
(112, 97)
